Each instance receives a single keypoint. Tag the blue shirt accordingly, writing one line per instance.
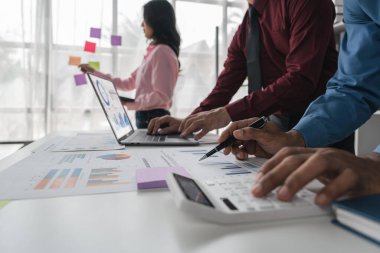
(377, 150)
(353, 93)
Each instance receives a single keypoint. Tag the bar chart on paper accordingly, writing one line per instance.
(55, 178)
(216, 165)
(106, 177)
(60, 174)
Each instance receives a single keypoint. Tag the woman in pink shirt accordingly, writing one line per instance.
(155, 79)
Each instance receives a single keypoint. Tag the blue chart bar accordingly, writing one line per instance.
(102, 169)
(59, 180)
(45, 181)
(76, 172)
(73, 179)
(102, 181)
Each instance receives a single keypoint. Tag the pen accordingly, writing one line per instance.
(257, 124)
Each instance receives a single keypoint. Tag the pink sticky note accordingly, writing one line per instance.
(95, 32)
(115, 40)
(90, 47)
(80, 79)
(149, 178)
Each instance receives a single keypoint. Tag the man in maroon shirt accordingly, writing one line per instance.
(297, 58)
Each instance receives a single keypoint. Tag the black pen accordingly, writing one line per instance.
(257, 124)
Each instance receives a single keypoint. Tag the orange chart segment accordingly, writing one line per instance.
(45, 181)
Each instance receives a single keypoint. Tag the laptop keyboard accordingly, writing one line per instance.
(235, 192)
(143, 137)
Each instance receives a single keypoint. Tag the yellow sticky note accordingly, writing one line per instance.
(3, 203)
(75, 60)
(94, 64)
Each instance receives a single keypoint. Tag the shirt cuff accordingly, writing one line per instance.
(314, 133)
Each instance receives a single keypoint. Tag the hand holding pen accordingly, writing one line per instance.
(263, 142)
(226, 141)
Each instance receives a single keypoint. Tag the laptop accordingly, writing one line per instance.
(120, 123)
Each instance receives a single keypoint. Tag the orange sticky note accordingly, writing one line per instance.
(75, 60)
(90, 47)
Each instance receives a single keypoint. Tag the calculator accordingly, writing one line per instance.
(229, 200)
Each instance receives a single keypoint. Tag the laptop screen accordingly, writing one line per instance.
(114, 110)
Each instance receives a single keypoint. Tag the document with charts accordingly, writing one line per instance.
(52, 174)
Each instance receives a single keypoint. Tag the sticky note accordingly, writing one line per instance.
(115, 40)
(3, 203)
(94, 64)
(90, 47)
(75, 60)
(80, 79)
(150, 178)
(95, 32)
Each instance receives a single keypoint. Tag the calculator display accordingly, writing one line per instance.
(192, 190)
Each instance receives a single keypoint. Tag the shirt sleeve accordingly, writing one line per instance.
(164, 77)
(232, 76)
(126, 84)
(310, 37)
(353, 94)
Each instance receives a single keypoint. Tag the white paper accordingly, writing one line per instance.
(88, 142)
(217, 166)
(51, 174)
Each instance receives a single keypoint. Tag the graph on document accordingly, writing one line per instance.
(58, 179)
(217, 164)
(114, 157)
(106, 177)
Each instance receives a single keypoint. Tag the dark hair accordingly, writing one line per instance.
(160, 16)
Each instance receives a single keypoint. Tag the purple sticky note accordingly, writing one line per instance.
(80, 79)
(150, 178)
(115, 40)
(95, 32)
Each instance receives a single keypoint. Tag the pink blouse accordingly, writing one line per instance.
(154, 80)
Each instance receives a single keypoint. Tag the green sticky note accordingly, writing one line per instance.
(3, 203)
(94, 64)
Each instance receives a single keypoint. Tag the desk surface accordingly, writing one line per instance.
(149, 222)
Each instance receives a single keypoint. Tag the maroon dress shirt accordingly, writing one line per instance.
(298, 57)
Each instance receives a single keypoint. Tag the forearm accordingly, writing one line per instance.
(290, 93)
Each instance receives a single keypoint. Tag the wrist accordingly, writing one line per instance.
(295, 139)
(224, 115)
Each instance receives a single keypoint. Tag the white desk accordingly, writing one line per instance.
(149, 222)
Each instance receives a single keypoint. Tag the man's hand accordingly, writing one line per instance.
(263, 142)
(164, 125)
(85, 68)
(341, 172)
(204, 121)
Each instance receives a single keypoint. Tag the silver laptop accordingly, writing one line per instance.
(119, 120)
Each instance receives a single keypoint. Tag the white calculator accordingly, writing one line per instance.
(229, 200)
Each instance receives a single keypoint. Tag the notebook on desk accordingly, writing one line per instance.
(119, 121)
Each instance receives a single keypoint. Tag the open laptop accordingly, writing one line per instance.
(119, 120)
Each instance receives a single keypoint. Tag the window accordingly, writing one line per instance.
(37, 37)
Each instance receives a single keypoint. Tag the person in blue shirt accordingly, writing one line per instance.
(351, 98)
